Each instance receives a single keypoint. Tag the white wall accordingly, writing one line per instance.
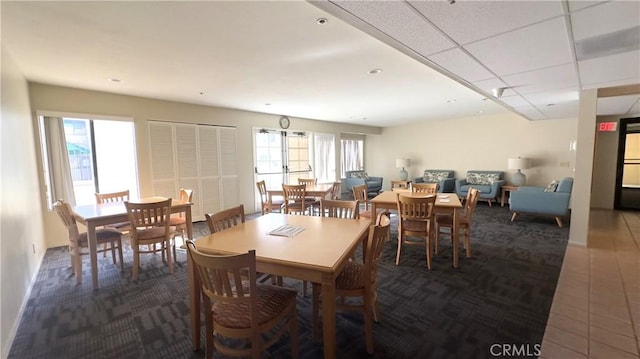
(475, 143)
(63, 99)
(22, 243)
(604, 165)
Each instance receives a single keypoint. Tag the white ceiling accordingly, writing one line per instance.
(273, 56)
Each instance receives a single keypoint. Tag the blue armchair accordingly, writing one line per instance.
(552, 200)
(357, 178)
(445, 179)
(487, 182)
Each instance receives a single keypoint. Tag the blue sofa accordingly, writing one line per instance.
(487, 182)
(444, 178)
(357, 178)
(543, 200)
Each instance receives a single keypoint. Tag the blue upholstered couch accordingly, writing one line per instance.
(444, 178)
(356, 178)
(487, 182)
(552, 202)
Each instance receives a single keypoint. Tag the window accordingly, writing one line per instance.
(325, 157)
(84, 156)
(351, 155)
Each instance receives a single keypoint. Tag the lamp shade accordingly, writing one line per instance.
(403, 162)
(518, 163)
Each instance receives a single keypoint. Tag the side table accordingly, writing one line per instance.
(505, 190)
(400, 183)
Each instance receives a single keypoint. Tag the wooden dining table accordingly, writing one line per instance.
(446, 203)
(317, 254)
(101, 214)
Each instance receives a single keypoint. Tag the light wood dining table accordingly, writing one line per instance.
(317, 254)
(446, 203)
(101, 214)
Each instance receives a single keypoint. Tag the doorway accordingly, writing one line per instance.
(627, 194)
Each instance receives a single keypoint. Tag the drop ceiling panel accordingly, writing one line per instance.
(561, 110)
(537, 46)
(401, 22)
(545, 79)
(575, 5)
(612, 105)
(487, 85)
(531, 112)
(605, 18)
(555, 97)
(515, 101)
(468, 21)
(611, 68)
(459, 63)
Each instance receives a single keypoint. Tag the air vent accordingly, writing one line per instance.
(609, 44)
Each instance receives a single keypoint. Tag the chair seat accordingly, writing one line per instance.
(154, 232)
(272, 301)
(351, 276)
(414, 226)
(177, 221)
(368, 214)
(103, 235)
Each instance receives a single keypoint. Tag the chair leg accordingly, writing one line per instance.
(467, 241)
(136, 260)
(368, 321)
(169, 260)
(428, 250)
(559, 221)
(374, 304)
(399, 249)
(315, 322)
(293, 330)
(78, 266)
(120, 255)
(513, 216)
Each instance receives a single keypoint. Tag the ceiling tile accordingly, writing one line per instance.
(459, 63)
(575, 5)
(556, 77)
(487, 85)
(611, 68)
(555, 97)
(635, 110)
(515, 101)
(399, 21)
(605, 18)
(561, 110)
(534, 47)
(612, 105)
(531, 112)
(468, 21)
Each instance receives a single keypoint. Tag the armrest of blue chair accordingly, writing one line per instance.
(447, 185)
(459, 183)
(535, 200)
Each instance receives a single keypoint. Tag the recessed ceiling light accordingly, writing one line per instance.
(115, 80)
(322, 21)
(451, 101)
(267, 104)
(375, 71)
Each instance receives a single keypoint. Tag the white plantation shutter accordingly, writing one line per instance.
(195, 156)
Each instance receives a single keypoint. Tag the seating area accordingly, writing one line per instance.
(357, 178)
(444, 178)
(487, 182)
(553, 200)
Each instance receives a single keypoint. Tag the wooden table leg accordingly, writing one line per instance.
(194, 300)
(93, 254)
(189, 222)
(454, 236)
(329, 317)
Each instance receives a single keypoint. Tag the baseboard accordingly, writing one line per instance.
(6, 347)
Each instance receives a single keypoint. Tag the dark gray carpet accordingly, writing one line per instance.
(501, 295)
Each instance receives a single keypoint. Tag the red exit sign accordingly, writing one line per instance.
(607, 126)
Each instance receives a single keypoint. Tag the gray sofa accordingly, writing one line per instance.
(356, 178)
(444, 178)
(552, 200)
(487, 182)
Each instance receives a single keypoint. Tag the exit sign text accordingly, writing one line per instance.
(607, 126)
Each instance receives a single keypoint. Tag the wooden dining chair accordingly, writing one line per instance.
(430, 188)
(109, 238)
(312, 202)
(295, 199)
(335, 190)
(339, 209)
(268, 203)
(150, 226)
(114, 197)
(415, 219)
(464, 222)
(242, 309)
(360, 195)
(179, 220)
(224, 219)
(359, 280)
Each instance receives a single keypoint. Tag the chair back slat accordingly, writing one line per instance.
(378, 235)
(294, 198)
(339, 209)
(431, 188)
(63, 209)
(224, 219)
(121, 196)
(308, 181)
(360, 195)
(152, 214)
(416, 208)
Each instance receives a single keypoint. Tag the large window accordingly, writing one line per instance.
(85, 156)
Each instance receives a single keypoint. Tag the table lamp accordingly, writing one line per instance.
(402, 163)
(518, 178)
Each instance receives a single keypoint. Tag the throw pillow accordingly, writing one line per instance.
(551, 187)
(357, 175)
(365, 176)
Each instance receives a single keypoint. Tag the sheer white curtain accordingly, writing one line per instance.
(351, 155)
(59, 170)
(325, 157)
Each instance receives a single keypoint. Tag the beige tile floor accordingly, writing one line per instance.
(596, 307)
